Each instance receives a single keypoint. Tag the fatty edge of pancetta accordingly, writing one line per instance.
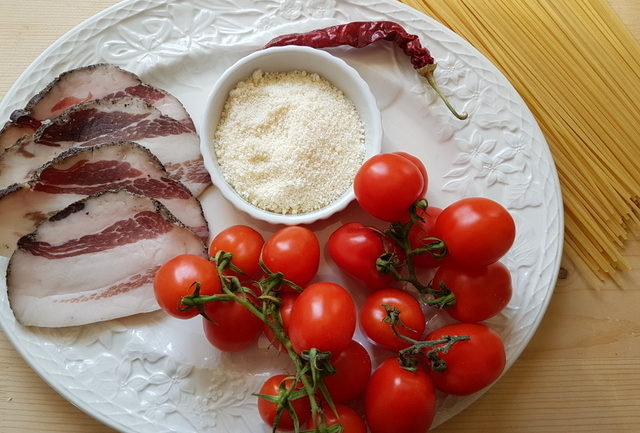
(83, 84)
(95, 261)
(99, 81)
(80, 172)
(77, 85)
(11, 133)
(108, 120)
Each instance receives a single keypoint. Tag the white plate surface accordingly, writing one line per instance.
(156, 374)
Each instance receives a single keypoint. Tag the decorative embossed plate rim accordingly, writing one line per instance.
(153, 374)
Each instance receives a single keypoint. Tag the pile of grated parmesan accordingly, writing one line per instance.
(289, 142)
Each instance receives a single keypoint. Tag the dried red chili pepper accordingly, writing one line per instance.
(359, 34)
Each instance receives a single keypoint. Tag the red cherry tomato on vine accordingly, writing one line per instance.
(477, 231)
(355, 249)
(232, 327)
(245, 245)
(423, 230)
(423, 170)
(294, 251)
(288, 299)
(324, 317)
(398, 400)
(387, 185)
(471, 365)
(348, 418)
(268, 410)
(353, 368)
(372, 315)
(174, 280)
(480, 293)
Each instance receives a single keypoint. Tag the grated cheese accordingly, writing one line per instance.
(289, 142)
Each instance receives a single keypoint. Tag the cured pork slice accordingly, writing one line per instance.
(104, 121)
(12, 132)
(166, 103)
(80, 172)
(95, 260)
(86, 84)
(74, 87)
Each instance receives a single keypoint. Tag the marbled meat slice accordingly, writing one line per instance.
(104, 121)
(95, 260)
(165, 102)
(80, 172)
(84, 84)
(96, 82)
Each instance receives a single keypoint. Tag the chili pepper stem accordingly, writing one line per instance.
(428, 73)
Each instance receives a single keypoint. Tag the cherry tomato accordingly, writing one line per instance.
(324, 317)
(268, 410)
(477, 231)
(294, 251)
(472, 364)
(175, 279)
(353, 368)
(372, 315)
(355, 249)
(245, 245)
(480, 293)
(398, 400)
(423, 170)
(348, 418)
(387, 185)
(288, 299)
(421, 231)
(232, 327)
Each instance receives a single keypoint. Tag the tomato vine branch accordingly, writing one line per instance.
(409, 355)
(310, 365)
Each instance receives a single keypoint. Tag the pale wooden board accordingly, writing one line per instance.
(580, 373)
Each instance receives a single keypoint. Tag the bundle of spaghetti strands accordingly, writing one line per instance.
(578, 69)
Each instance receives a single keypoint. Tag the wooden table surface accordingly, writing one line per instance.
(580, 373)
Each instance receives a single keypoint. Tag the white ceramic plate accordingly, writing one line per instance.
(155, 374)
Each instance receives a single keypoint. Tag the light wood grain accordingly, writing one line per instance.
(580, 373)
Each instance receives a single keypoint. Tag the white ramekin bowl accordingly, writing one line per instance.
(283, 59)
